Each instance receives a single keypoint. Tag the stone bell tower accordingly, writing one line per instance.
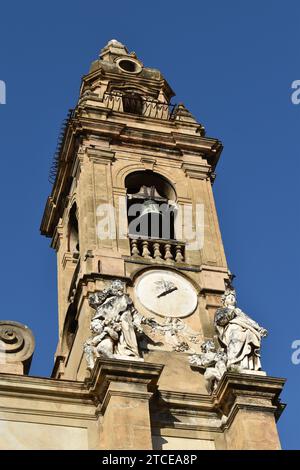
(142, 271)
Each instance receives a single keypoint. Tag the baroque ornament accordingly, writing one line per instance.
(213, 360)
(177, 334)
(114, 325)
(117, 328)
(16, 344)
(239, 338)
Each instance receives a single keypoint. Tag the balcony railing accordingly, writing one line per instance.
(135, 104)
(169, 251)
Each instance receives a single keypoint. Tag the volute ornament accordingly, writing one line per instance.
(16, 347)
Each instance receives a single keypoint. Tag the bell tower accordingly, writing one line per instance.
(142, 270)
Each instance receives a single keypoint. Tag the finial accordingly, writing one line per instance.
(113, 48)
(114, 42)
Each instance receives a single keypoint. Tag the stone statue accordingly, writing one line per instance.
(114, 325)
(239, 335)
(240, 339)
(213, 360)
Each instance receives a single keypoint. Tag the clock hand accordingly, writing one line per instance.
(167, 292)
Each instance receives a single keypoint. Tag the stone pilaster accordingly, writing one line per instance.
(123, 389)
(251, 404)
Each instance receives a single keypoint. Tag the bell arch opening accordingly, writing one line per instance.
(151, 207)
(73, 232)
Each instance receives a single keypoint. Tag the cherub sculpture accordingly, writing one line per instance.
(114, 325)
(213, 360)
(177, 333)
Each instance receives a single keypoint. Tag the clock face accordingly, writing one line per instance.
(166, 293)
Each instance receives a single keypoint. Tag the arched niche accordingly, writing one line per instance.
(151, 207)
(73, 231)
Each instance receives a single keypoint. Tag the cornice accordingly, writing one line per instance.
(197, 171)
(100, 72)
(249, 391)
(98, 154)
(139, 380)
(107, 371)
(232, 385)
(123, 134)
(33, 412)
(44, 388)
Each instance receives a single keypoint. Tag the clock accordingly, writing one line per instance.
(166, 293)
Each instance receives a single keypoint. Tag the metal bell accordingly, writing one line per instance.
(150, 207)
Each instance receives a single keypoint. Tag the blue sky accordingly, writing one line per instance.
(232, 64)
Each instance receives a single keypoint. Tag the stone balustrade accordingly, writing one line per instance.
(169, 251)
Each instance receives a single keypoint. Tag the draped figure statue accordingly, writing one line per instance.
(239, 340)
(238, 334)
(114, 325)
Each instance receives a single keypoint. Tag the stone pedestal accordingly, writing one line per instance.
(251, 404)
(123, 389)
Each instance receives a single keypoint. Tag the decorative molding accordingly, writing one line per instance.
(111, 392)
(248, 391)
(197, 171)
(148, 163)
(100, 155)
(68, 258)
(107, 371)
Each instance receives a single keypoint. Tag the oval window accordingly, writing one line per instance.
(129, 66)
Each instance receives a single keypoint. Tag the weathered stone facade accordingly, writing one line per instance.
(133, 308)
